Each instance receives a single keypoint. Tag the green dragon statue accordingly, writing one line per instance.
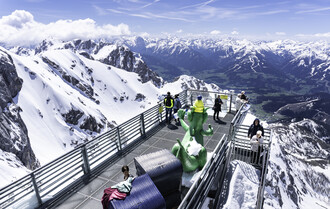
(196, 117)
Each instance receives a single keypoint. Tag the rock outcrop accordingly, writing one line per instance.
(13, 132)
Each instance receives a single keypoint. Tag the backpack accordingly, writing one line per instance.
(178, 104)
(168, 102)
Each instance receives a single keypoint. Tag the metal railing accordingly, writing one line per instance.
(215, 169)
(239, 148)
(261, 189)
(201, 187)
(208, 98)
(49, 182)
(242, 146)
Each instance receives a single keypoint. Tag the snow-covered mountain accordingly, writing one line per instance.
(283, 64)
(299, 171)
(61, 94)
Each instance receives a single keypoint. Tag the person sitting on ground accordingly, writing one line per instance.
(256, 147)
(244, 97)
(217, 107)
(168, 102)
(120, 190)
(125, 170)
(256, 126)
(177, 105)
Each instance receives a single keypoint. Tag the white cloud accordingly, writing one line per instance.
(215, 32)
(316, 35)
(280, 33)
(17, 19)
(314, 10)
(234, 32)
(179, 31)
(21, 29)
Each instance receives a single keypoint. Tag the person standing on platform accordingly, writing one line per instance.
(256, 147)
(217, 107)
(244, 97)
(176, 107)
(168, 103)
(256, 126)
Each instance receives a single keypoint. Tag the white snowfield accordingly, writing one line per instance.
(243, 186)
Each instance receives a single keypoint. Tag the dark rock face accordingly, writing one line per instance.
(73, 116)
(90, 124)
(299, 147)
(43, 46)
(84, 87)
(10, 83)
(124, 58)
(13, 132)
(139, 97)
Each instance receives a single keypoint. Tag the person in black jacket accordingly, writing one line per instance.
(168, 103)
(244, 97)
(217, 107)
(256, 126)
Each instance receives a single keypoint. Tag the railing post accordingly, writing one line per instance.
(119, 139)
(231, 100)
(36, 189)
(191, 100)
(142, 128)
(160, 113)
(85, 159)
(186, 97)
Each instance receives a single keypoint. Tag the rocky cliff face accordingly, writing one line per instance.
(106, 52)
(13, 132)
(297, 175)
(122, 57)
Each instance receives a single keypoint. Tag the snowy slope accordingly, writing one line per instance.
(67, 98)
(299, 171)
(243, 186)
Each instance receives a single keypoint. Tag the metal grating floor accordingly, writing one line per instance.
(89, 196)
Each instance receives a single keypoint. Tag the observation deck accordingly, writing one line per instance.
(78, 178)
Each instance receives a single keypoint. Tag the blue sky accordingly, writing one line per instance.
(246, 18)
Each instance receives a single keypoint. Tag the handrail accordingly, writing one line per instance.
(261, 189)
(203, 180)
(45, 174)
(91, 158)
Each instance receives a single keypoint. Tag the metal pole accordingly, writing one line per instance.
(231, 100)
(85, 159)
(160, 114)
(186, 96)
(143, 131)
(36, 189)
(119, 140)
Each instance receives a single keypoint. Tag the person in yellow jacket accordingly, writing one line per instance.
(199, 105)
(168, 103)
